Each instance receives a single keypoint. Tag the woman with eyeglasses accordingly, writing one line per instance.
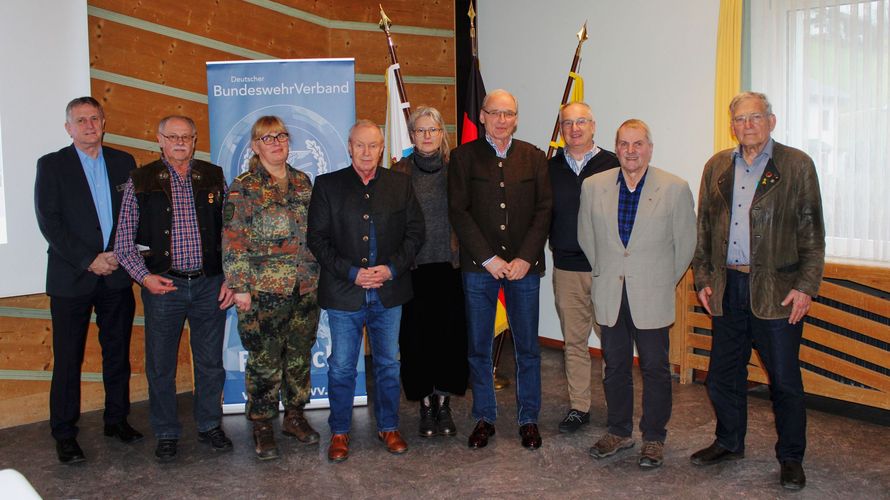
(275, 278)
(433, 338)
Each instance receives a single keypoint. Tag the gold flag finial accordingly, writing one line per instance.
(471, 13)
(385, 22)
(582, 35)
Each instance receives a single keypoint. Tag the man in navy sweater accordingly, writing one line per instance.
(580, 159)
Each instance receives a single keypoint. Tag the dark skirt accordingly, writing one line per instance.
(433, 335)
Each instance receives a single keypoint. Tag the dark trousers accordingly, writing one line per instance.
(71, 320)
(618, 354)
(197, 300)
(778, 344)
(433, 334)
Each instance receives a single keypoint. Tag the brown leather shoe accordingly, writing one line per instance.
(264, 439)
(480, 435)
(295, 425)
(531, 438)
(339, 449)
(393, 441)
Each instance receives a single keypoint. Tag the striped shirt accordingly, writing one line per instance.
(185, 240)
(628, 201)
(578, 165)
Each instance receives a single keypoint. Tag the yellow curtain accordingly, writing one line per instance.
(729, 64)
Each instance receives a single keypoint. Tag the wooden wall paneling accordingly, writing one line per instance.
(23, 401)
(370, 100)
(846, 345)
(855, 298)
(433, 13)
(36, 301)
(142, 156)
(25, 344)
(875, 275)
(851, 321)
(152, 57)
(26, 362)
(418, 55)
(237, 23)
(135, 113)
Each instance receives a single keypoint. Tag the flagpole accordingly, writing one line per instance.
(385, 24)
(582, 36)
(472, 15)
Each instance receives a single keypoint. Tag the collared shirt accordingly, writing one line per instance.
(498, 152)
(628, 201)
(185, 240)
(578, 165)
(743, 188)
(97, 178)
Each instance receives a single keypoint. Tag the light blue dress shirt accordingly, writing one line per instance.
(743, 188)
(97, 178)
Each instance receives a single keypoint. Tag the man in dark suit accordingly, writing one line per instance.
(77, 197)
(365, 228)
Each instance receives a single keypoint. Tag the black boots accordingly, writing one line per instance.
(428, 416)
(443, 416)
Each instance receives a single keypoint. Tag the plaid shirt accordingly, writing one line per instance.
(627, 206)
(185, 240)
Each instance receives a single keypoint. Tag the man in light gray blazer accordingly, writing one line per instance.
(636, 226)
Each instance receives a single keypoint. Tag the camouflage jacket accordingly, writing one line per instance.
(264, 235)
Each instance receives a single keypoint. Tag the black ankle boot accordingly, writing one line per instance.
(427, 418)
(443, 417)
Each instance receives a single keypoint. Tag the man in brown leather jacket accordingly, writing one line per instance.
(757, 265)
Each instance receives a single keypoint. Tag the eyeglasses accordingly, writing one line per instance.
(425, 131)
(271, 139)
(174, 138)
(754, 118)
(579, 122)
(500, 113)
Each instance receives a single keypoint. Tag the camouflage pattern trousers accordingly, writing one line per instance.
(278, 332)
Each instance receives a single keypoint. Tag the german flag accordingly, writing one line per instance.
(471, 126)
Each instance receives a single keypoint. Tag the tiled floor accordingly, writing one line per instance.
(846, 458)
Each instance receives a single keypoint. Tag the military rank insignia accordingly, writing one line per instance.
(228, 212)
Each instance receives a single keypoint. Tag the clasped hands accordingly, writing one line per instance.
(499, 268)
(104, 264)
(372, 277)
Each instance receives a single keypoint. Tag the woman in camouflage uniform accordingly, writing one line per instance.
(275, 278)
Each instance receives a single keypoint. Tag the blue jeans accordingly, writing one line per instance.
(778, 344)
(195, 299)
(346, 345)
(522, 296)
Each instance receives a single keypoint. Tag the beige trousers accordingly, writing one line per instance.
(571, 290)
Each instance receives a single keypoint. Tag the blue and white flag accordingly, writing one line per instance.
(398, 140)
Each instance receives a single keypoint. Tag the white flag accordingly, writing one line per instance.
(398, 140)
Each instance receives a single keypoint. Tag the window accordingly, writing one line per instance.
(825, 65)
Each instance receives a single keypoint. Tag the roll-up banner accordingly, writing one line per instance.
(316, 100)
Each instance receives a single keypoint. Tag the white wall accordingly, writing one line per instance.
(644, 59)
(45, 54)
